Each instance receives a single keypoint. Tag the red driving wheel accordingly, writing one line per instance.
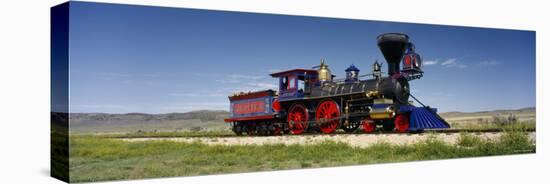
(277, 130)
(368, 125)
(328, 115)
(402, 123)
(297, 119)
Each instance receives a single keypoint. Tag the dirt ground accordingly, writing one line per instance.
(356, 140)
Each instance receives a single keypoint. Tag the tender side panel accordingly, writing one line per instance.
(259, 108)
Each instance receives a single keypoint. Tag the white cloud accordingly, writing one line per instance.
(109, 75)
(428, 63)
(453, 63)
(448, 62)
(184, 94)
(187, 107)
(151, 75)
(243, 79)
(274, 70)
(228, 81)
(99, 108)
(264, 85)
(488, 63)
(196, 94)
(461, 66)
(240, 83)
(216, 94)
(151, 83)
(249, 77)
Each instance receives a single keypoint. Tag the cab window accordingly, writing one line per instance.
(291, 83)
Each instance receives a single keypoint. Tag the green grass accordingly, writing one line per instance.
(95, 158)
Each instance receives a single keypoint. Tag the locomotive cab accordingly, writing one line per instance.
(296, 83)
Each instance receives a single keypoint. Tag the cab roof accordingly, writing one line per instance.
(293, 72)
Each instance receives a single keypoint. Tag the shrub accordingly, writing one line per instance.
(468, 140)
(505, 120)
(516, 141)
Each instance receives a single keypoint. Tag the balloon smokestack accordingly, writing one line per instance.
(393, 46)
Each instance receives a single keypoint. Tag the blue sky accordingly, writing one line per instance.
(160, 60)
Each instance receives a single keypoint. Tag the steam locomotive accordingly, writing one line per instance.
(312, 100)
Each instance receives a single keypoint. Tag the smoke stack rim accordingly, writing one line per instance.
(393, 37)
(393, 47)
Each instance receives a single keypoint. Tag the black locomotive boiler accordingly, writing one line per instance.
(313, 100)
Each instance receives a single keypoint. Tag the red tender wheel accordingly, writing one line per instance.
(297, 119)
(277, 130)
(251, 130)
(402, 123)
(368, 125)
(328, 116)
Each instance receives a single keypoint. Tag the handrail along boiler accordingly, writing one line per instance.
(312, 100)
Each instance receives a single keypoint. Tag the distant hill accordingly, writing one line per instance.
(523, 114)
(203, 115)
(131, 122)
(493, 112)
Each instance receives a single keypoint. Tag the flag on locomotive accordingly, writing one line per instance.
(312, 100)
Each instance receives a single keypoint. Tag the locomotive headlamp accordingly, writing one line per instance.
(418, 62)
(376, 66)
(376, 72)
